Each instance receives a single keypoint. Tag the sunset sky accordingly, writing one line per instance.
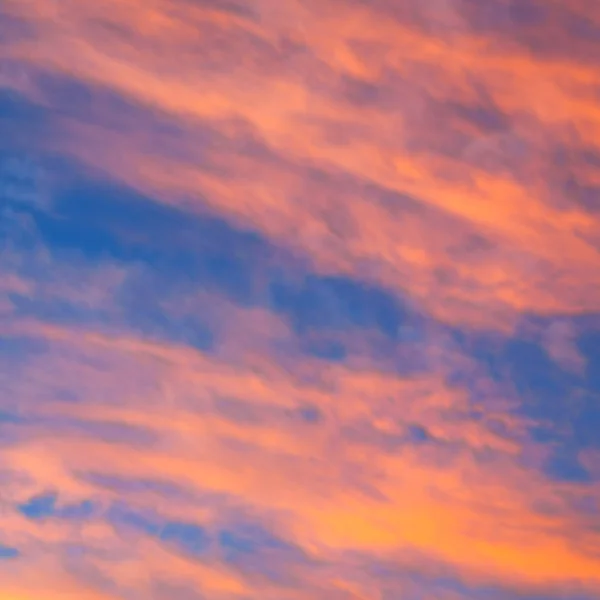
(299, 299)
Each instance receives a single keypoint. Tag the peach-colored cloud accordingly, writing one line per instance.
(326, 487)
(292, 89)
(444, 153)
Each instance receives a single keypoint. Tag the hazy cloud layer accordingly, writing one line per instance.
(299, 300)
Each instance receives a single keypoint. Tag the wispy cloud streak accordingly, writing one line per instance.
(299, 300)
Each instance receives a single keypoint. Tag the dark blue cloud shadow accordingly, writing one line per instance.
(39, 507)
(44, 506)
(16, 110)
(188, 538)
(256, 551)
(15, 349)
(95, 221)
(8, 553)
(563, 407)
(102, 220)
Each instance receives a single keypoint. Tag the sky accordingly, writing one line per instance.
(300, 299)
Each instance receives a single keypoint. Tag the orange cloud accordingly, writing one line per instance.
(446, 153)
(329, 487)
(290, 80)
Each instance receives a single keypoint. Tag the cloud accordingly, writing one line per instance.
(340, 454)
(309, 99)
(299, 300)
(453, 474)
